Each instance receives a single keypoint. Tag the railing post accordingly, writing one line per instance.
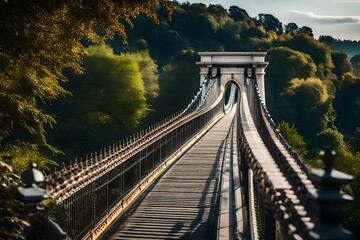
(41, 227)
(328, 200)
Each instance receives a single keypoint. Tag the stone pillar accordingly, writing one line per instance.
(260, 77)
(232, 66)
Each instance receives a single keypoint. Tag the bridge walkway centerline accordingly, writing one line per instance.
(184, 201)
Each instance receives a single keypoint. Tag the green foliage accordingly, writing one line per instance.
(291, 28)
(269, 22)
(329, 40)
(319, 52)
(306, 30)
(347, 105)
(342, 65)
(292, 136)
(238, 14)
(12, 222)
(314, 89)
(179, 82)
(350, 47)
(22, 154)
(309, 101)
(149, 73)
(355, 62)
(346, 161)
(110, 81)
(110, 96)
(286, 64)
(39, 40)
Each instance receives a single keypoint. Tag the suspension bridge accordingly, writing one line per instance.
(219, 169)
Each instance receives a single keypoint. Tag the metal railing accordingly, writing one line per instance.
(279, 202)
(231, 100)
(269, 133)
(92, 189)
(300, 211)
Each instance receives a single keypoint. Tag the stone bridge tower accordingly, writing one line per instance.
(232, 67)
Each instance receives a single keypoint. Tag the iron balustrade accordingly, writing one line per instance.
(269, 133)
(90, 190)
(231, 100)
(289, 207)
(272, 201)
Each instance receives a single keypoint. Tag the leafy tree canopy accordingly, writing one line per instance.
(341, 63)
(291, 28)
(286, 64)
(305, 29)
(179, 82)
(238, 14)
(41, 38)
(355, 62)
(292, 136)
(269, 22)
(347, 105)
(309, 101)
(318, 51)
(346, 161)
(110, 95)
(329, 40)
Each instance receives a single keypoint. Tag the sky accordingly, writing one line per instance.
(337, 18)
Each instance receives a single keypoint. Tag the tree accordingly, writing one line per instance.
(11, 212)
(309, 100)
(347, 105)
(178, 83)
(41, 38)
(291, 28)
(270, 23)
(307, 30)
(110, 96)
(355, 62)
(329, 40)
(292, 136)
(342, 65)
(238, 14)
(286, 64)
(319, 52)
(149, 73)
(346, 161)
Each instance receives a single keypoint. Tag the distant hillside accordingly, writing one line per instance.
(350, 47)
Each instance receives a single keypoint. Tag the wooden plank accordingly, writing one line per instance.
(182, 204)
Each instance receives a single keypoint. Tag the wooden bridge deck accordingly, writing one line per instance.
(183, 203)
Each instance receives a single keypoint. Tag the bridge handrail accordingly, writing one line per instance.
(81, 179)
(260, 103)
(231, 99)
(279, 202)
(267, 129)
(71, 173)
(200, 99)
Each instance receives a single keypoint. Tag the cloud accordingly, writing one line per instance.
(328, 19)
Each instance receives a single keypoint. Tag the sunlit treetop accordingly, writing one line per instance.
(39, 39)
